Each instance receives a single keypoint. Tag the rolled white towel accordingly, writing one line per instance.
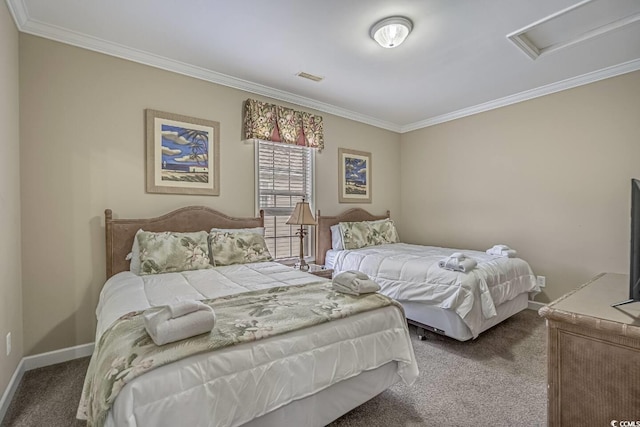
(346, 278)
(465, 265)
(354, 283)
(359, 287)
(502, 251)
(358, 274)
(452, 260)
(509, 253)
(191, 318)
(185, 307)
(448, 263)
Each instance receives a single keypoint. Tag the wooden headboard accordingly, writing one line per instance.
(121, 232)
(323, 229)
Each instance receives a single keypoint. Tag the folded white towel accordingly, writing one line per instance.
(463, 265)
(502, 251)
(354, 283)
(359, 287)
(178, 321)
(458, 255)
(347, 277)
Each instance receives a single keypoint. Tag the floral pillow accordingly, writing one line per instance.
(384, 231)
(238, 247)
(172, 252)
(368, 233)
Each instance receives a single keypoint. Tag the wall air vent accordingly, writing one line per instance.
(309, 76)
(575, 24)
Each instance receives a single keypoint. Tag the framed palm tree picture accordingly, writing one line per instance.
(354, 180)
(182, 154)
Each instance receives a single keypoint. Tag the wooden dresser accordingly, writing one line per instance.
(594, 355)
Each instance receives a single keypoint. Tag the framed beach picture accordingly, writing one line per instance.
(182, 154)
(354, 181)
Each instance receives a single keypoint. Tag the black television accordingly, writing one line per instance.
(634, 264)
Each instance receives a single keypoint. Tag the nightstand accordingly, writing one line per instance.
(320, 271)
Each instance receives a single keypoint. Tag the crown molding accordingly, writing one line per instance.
(18, 10)
(30, 26)
(63, 35)
(605, 73)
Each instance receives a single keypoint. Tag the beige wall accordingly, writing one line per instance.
(10, 269)
(82, 116)
(549, 177)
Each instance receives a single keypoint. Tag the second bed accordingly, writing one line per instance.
(459, 305)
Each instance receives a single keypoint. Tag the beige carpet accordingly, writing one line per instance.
(497, 380)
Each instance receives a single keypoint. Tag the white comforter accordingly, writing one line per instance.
(231, 386)
(408, 272)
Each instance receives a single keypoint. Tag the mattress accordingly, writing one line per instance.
(238, 384)
(410, 273)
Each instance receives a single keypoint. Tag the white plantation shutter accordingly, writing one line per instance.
(284, 176)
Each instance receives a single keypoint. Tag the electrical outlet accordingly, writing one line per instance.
(542, 281)
(9, 343)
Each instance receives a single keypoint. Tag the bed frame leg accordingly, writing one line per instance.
(421, 334)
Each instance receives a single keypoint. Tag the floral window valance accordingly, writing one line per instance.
(270, 122)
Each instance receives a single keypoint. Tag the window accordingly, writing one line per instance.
(284, 175)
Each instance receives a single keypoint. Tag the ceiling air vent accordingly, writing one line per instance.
(309, 76)
(575, 24)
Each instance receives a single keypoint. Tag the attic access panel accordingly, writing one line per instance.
(575, 24)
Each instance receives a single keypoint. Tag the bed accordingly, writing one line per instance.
(305, 377)
(459, 305)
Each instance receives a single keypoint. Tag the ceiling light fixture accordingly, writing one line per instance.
(391, 32)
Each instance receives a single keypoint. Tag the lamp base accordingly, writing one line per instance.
(302, 265)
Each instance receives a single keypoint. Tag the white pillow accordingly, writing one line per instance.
(134, 255)
(336, 238)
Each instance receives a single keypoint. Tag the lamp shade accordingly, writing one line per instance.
(301, 215)
(392, 31)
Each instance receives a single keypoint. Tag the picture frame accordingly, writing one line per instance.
(183, 154)
(354, 176)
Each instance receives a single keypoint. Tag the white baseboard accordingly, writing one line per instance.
(535, 305)
(57, 356)
(39, 361)
(7, 396)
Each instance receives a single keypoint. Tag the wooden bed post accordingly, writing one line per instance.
(319, 258)
(108, 216)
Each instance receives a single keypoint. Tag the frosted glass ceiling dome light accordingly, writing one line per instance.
(391, 32)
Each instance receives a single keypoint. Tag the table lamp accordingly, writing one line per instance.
(302, 216)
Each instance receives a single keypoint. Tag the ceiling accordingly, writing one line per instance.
(457, 61)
